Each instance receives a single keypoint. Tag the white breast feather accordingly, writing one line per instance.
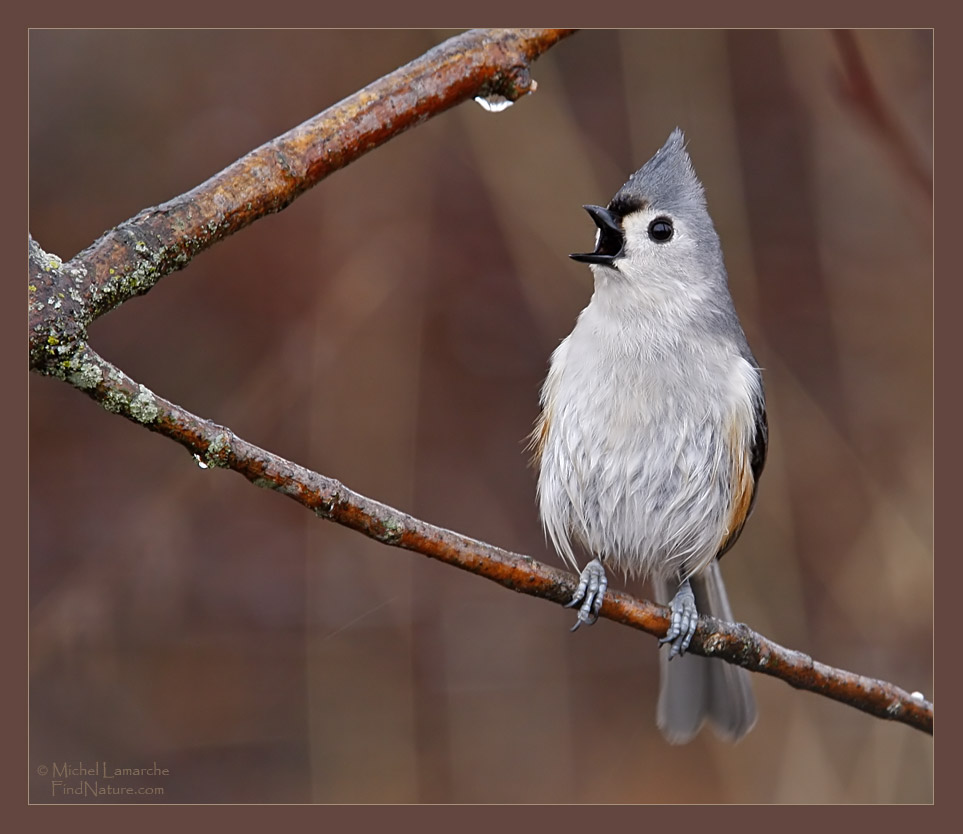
(636, 462)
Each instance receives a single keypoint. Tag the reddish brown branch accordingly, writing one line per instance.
(129, 259)
(217, 446)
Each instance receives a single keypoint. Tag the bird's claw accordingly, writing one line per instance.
(592, 583)
(683, 621)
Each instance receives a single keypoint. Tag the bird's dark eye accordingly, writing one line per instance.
(660, 229)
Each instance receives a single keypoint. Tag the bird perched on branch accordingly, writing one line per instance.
(653, 431)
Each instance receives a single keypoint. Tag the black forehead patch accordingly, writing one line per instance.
(624, 204)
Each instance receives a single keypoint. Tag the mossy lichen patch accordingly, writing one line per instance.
(88, 375)
(218, 451)
(143, 407)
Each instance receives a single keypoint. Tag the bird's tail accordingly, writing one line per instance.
(694, 689)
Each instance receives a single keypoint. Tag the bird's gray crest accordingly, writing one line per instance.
(667, 182)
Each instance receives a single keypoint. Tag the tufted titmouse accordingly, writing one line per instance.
(653, 432)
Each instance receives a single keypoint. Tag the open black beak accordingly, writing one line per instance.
(611, 239)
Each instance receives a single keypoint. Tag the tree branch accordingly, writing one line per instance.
(217, 446)
(130, 259)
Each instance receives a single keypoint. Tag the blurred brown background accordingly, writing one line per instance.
(391, 329)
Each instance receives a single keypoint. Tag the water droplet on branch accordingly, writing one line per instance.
(494, 104)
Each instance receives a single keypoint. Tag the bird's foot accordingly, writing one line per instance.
(592, 583)
(683, 622)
